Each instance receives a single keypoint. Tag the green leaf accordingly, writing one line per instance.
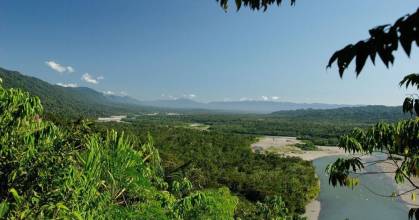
(4, 208)
(77, 215)
(15, 195)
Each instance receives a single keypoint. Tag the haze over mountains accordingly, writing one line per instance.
(86, 100)
(240, 106)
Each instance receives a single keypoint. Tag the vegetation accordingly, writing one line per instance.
(306, 145)
(253, 4)
(322, 127)
(79, 171)
(53, 172)
(398, 141)
(212, 159)
(383, 41)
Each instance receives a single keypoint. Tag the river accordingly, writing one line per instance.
(359, 203)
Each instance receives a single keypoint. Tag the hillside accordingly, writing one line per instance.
(361, 114)
(67, 101)
(268, 106)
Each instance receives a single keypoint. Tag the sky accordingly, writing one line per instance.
(193, 49)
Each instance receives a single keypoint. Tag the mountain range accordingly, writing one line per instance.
(79, 101)
(86, 101)
(262, 107)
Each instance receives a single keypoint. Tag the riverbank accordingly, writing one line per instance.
(389, 167)
(313, 210)
(286, 146)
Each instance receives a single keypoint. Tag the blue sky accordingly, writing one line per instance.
(189, 48)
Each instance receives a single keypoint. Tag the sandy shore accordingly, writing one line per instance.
(313, 210)
(284, 145)
(322, 152)
(401, 188)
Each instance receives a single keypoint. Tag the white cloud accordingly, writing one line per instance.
(123, 93)
(275, 98)
(70, 69)
(189, 96)
(169, 97)
(90, 79)
(55, 66)
(71, 85)
(58, 67)
(265, 98)
(245, 99)
(108, 93)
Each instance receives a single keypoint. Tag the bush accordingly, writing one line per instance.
(306, 145)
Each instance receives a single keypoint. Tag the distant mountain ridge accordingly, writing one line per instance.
(82, 101)
(366, 114)
(67, 100)
(240, 106)
(269, 106)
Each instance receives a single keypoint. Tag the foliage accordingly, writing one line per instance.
(411, 104)
(398, 141)
(212, 159)
(383, 41)
(218, 204)
(253, 4)
(306, 145)
(322, 127)
(272, 208)
(50, 172)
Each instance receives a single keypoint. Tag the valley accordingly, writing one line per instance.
(257, 157)
(209, 110)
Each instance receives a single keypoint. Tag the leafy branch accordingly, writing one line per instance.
(254, 5)
(383, 41)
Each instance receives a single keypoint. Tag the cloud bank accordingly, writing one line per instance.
(70, 85)
(90, 79)
(58, 67)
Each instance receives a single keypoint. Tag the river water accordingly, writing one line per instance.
(340, 203)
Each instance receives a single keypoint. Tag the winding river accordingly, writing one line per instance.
(359, 203)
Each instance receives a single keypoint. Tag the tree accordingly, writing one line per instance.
(51, 172)
(383, 40)
(398, 141)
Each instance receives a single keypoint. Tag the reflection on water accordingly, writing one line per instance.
(359, 203)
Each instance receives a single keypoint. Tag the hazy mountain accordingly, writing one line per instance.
(86, 101)
(239, 106)
(268, 106)
(176, 104)
(370, 113)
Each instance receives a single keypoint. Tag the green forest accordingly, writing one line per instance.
(58, 164)
(82, 170)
